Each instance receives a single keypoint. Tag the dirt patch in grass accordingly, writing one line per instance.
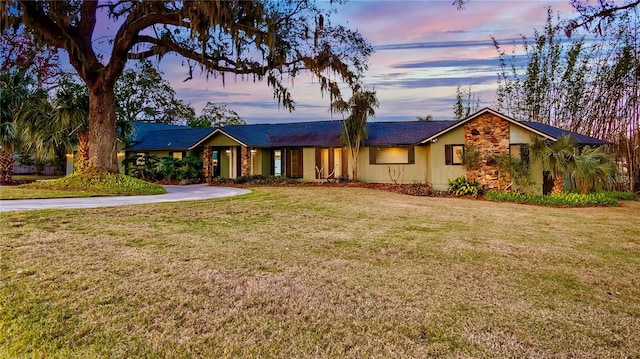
(321, 272)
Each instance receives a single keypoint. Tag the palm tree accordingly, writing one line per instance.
(559, 158)
(59, 125)
(360, 107)
(594, 170)
(14, 93)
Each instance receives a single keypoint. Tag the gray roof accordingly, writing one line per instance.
(556, 133)
(160, 137)
(327, 133)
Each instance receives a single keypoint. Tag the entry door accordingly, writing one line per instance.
(547, 184)
(215, 162)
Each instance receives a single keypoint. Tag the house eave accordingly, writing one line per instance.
(217, 130)
(433, 137)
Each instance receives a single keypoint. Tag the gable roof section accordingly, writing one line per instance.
(547, 131)
(180, 138)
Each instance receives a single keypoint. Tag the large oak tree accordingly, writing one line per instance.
(257, 40)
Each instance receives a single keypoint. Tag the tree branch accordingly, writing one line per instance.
(603, 13)
(36, 18)
(127, 36)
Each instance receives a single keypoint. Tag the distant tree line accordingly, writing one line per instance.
(588, 83)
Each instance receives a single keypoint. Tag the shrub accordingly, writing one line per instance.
(462, 187)
(154, 168)
(471, 157)
(621, 195)
(420, 189)
(556, 200)
(101, 182)
(255, 180)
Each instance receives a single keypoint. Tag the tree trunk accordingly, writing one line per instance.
(82, 162)
(6, 162)
(103, 153)
(354, 169)
(558, 185)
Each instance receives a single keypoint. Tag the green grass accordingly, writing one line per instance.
(20, 192)
(560, 200)
(321, 272)
(100, 183)
(35, 177)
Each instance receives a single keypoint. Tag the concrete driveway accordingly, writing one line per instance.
(174, 194)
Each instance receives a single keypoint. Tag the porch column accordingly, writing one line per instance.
(207, 167)
(245, 169)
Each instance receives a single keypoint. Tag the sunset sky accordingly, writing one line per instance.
(423, 50)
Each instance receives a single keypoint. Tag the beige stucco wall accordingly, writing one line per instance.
(440, 173)
(256, 162)
(308, 164)
(220, 140)
(388, 173)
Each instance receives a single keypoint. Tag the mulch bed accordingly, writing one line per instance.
(15, 182)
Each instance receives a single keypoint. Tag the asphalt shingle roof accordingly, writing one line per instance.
(556, 133)
(176, 138)
(327, 133)
(151, 136)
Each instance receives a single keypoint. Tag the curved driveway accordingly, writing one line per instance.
(174, 194)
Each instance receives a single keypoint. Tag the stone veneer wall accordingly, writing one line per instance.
(490, 135)
(245, 159)
(207, 166)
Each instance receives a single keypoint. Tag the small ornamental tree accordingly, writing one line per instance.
(360, 107)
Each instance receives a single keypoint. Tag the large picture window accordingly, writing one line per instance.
(391, 155)
(453, 154)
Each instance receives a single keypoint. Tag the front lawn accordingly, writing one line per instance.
(321, 272)
(82, 185)
(17, 192)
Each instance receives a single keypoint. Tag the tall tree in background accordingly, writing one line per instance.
(425, 118)
(216, 115)
(142, 94)
(591, 89)
(360, 107)
(19, 52)
(256, 40)
(466, 103)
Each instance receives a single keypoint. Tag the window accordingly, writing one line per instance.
(293, 162)
(453, 154)
(277, 163)
(177, 155)
(391, 155)
(288, 162)
(519, 151)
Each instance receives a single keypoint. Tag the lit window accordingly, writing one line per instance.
(391, 155)
(453, 154)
